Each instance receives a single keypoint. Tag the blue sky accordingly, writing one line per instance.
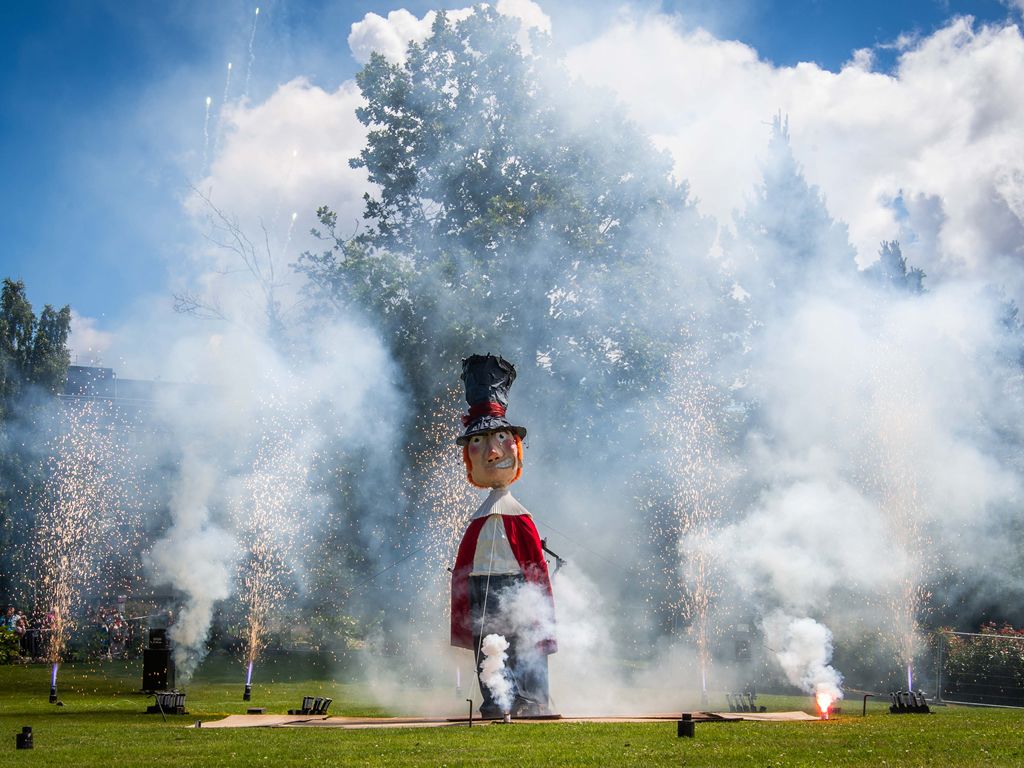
(101, 110)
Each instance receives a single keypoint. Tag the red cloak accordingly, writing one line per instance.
(524, 541)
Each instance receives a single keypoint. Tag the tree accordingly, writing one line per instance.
(32, 351)
(891, 270)
(34, 358)
(17, 327)
(786, 241)
(516, 212)
(508, 216)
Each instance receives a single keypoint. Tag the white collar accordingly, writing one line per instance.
(500, 502)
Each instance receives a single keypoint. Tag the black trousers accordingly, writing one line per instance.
(527, 665)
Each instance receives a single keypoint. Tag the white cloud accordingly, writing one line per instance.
(527, 11)
(942, 129)
(863, 58)
(87, 342)
(390, 36)
(530, 16)
(1014, 5)
(287, 155)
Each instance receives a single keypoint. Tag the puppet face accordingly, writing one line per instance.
(494, 462)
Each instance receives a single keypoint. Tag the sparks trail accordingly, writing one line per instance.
(288, 238)
(282, 190)
(252, 53)
(219, 130)
(206, 137)
(435, 477)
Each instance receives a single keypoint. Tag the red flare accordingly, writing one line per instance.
(825, 700)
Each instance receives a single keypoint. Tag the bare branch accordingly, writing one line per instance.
(228, 234)
(188, 303)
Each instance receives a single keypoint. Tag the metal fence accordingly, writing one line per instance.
(981, 668)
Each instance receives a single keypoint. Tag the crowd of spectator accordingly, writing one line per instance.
(116, 632)
(30, 630)
(107, 632)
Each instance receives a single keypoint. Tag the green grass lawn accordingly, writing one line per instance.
(101, 724)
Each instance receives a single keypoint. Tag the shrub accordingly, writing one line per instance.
(10, 646)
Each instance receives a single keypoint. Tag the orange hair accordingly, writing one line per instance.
(469, 463)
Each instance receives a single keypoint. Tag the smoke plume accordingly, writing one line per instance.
(195, 557)
(493, 672)
(803, 650)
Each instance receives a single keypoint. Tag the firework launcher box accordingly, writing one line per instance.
(23, 740)
(168, 703)
(312, 705)
(157, 664)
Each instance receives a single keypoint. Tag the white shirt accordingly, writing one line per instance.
(493, 553)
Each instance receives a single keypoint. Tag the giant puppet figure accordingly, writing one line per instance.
(500, 583)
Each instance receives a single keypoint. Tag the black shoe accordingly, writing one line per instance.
(491, 712)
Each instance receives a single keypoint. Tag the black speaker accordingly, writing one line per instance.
(157, 669)
(158, 638)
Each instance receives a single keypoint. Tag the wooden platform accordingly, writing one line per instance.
(320, 721)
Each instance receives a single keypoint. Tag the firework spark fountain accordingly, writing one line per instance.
(448, 496)
(272, 516)
(77, 509)
(894, 413)
(693, 474)
(438, 479)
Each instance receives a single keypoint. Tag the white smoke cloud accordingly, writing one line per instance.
(788, 547)
(877, 455)
(493, 673)
(258, 424)
(195, 557)
(803, 648)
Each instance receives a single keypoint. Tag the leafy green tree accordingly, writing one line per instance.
(34, 358)
(33, 351)
(17, 328)
(50, 356)
(508, 215)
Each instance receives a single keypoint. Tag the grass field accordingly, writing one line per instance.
(101, 724)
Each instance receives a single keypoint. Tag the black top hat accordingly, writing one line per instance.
(488, 380)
